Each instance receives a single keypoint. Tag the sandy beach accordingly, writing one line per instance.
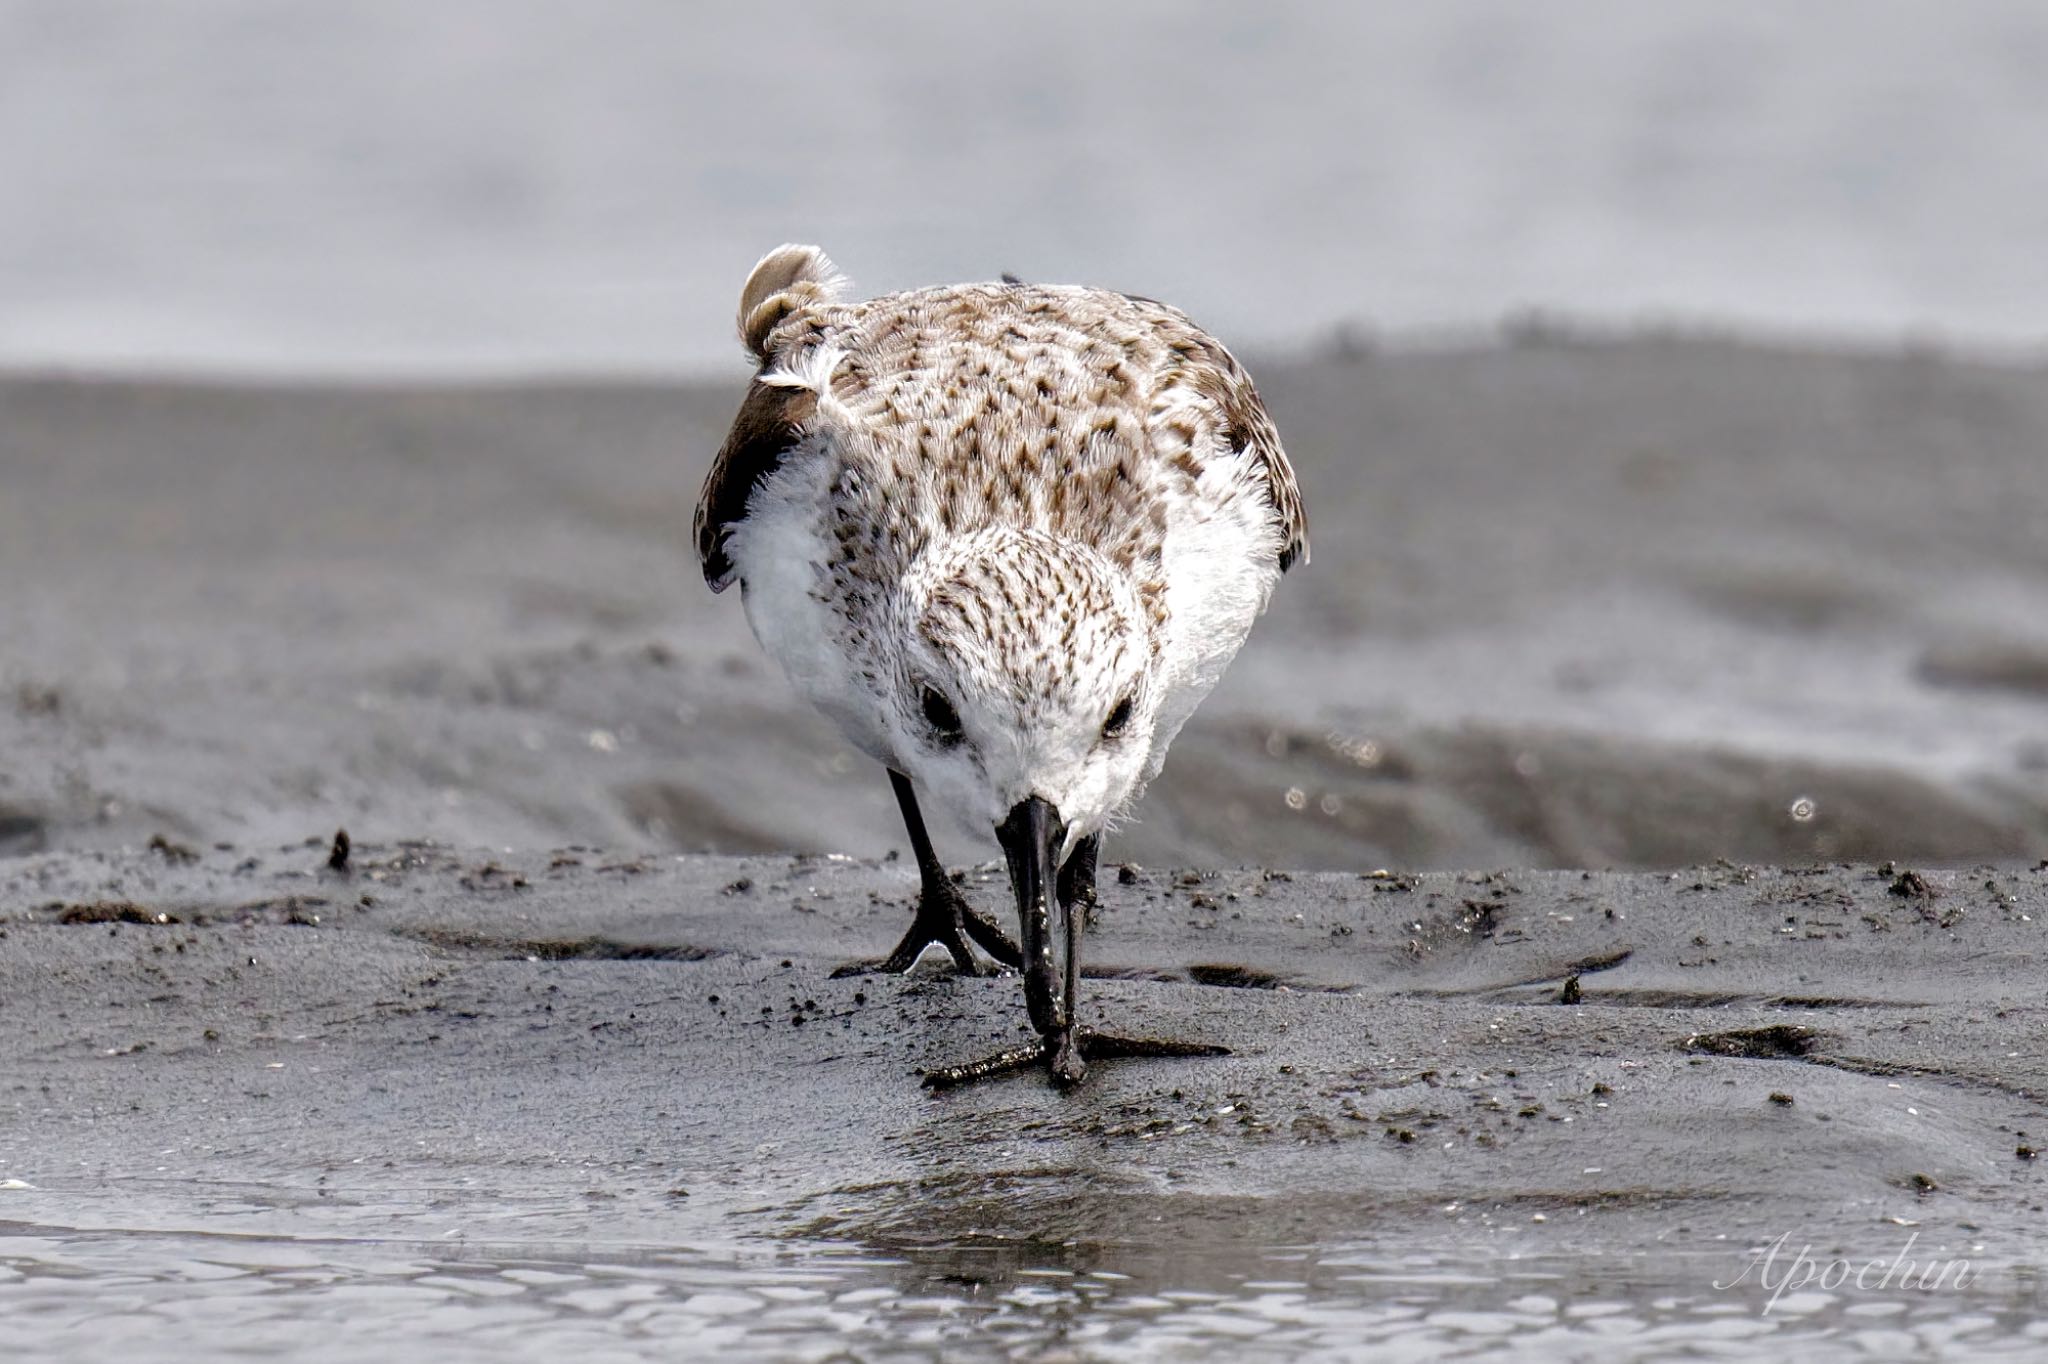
(1619, 849)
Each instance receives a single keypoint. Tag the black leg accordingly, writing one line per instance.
(1077, 878)
(943, 914)
(1077, 898)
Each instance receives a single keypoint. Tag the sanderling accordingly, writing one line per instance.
(1007, 536)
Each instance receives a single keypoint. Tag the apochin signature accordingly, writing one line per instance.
(1803, 1271)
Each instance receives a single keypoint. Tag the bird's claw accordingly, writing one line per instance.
(1066, 1056)
(944, 919)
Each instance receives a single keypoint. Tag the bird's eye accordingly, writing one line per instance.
(940, 715)
(1119, 720)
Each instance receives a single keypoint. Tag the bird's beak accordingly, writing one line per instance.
(1031, 836)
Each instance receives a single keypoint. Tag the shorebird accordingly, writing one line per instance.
(1007, 536)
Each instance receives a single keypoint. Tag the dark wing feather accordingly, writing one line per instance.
(770, 421)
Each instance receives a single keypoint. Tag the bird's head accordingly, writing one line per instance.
(1025, 699)
(1026, 672)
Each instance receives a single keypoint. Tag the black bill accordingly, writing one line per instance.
(1031, 836)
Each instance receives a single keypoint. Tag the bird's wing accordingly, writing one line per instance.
(770, 422)
(785, 287)
(1251, 432)
(1214, 373)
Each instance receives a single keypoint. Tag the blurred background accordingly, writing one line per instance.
(1665, 380)
(382, 187)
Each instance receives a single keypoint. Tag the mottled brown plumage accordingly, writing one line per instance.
(1023, 401)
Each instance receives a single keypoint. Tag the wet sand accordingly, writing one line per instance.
(1767, 616)
(545, 1022)
(640, 1052)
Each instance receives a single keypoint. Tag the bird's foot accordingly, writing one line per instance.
(946, 919)
(1066, 1056)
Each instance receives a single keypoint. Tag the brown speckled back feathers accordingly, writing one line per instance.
(1075, 411)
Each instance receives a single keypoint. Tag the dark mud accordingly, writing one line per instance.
(1751, 1051)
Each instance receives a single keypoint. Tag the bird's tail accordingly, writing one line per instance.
(786, 280)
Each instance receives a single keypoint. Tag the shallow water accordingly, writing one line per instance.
(194, 1296)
